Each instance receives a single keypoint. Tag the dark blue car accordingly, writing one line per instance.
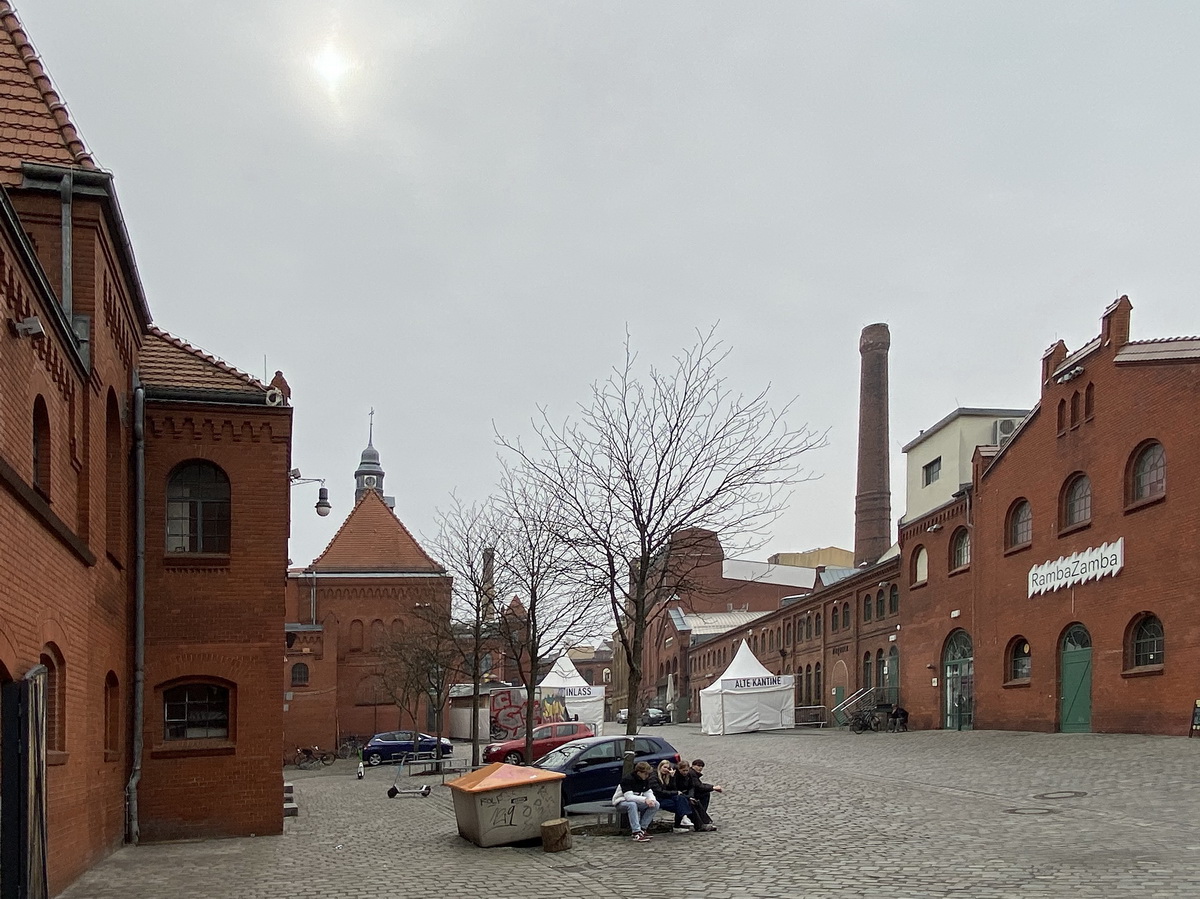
(397, 744)
(593, 765)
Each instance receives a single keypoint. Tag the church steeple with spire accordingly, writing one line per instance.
(369, 475)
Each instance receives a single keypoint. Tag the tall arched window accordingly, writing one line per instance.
(866, 670)
(56, 697)
(1020, 524)
(41, 447)
(112, 716)
(1020, 659)
(920, 566)
(1075, 408)
(1089, 402)
(845, 616)
(198, 509)
(1062, 416)
(893, 600)
(818, 696)
(879, 605)
(808, 685)
(114, 476)
(378, 635)
(960, 546)
(868, 604)
(817, 625)
(1077, 501)
(300, 675)
(808, 627)
(356, 635)
(1148, 473)
(879, 670)
(834, 618)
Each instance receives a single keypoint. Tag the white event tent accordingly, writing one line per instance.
(747, 697)
(565, 683)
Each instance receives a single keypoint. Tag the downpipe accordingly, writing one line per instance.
(132, 826)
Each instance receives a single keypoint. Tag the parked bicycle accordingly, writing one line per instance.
(310, 757)
(863, 719)
(351, 747)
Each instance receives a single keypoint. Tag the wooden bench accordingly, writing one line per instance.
(605, 812)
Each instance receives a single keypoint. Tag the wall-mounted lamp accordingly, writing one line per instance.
(323, 507)
(884, 583)
(27, 327)
(934, 528)
(931, 667)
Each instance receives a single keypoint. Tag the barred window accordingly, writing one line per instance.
(198, 509)
(1148, 642)
(195, 712)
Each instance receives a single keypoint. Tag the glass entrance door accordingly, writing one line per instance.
(958, 683)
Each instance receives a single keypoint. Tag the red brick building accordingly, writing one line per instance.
(143, 525)
(372, 581)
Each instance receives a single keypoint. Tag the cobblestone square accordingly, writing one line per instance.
(806, 813)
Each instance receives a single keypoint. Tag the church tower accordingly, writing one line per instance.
(369, 475)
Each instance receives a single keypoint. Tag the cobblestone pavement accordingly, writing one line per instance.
(806, 813)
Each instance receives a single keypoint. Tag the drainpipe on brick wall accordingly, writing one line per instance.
(139, 613)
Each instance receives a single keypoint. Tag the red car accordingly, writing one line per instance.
(545, 738)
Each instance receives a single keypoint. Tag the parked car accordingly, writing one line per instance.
(622, 716)
(652, 717)
(545, 738)
(593, 765)
(395, 744)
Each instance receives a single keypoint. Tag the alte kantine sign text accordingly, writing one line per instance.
(1088, 564)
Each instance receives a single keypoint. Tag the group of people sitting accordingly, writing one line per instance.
(681, 790)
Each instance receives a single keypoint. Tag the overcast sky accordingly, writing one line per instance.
(453, 212)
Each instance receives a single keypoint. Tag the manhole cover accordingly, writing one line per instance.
(1029, 811)
(1061, 794)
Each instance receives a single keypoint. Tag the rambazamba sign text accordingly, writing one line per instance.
(1088, 564)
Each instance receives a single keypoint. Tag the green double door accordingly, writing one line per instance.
(1075, 665)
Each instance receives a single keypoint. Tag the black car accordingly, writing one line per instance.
(593, 765)
(653, 717)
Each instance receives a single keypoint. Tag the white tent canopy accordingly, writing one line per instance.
(747, 697)
(578, 696)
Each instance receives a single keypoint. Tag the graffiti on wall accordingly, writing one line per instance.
(508, 712)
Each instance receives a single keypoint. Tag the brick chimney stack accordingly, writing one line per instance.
(873, 502)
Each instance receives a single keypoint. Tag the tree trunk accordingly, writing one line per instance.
(556, 835)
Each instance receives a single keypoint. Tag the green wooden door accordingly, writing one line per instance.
(1075, 703)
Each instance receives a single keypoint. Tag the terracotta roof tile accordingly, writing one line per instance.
(34, 124)
(167, 361)
(372, 538)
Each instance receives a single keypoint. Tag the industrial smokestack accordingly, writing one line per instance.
(873, 502)
(489, 583)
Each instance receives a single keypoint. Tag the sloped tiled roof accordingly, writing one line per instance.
(1162, 349)
(34, 125)
(168, 361)
(372, 538)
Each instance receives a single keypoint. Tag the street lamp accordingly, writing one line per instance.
(323, 507)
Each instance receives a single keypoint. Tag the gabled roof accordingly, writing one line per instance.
(34, 125)
(168, 361)
(373, 539)
(1160, 349)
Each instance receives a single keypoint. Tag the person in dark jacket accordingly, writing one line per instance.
(700, 791)
(674, 792)
(638, 801)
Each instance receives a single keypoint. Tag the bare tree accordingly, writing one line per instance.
(465, 544)
(420, 663)
(554, 609)
(645, 464)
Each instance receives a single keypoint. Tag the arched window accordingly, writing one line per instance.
(868, 603)
(1077, 501)
(197, 711)
(607, 675)
(833, 620)
(1148, 473)
(920, 566)
(198, 509)
(818, 696)
(866, 671)
(808, 685)
(1075, 408)
(1062, 417)
(817, 625)
(893, 670)
(41, 447)
(112, 715)
(1089, 402)
(1020, 659)
(1020, 524)
(300, 675)
(808, 627)
(378, 635)
(787, 635)
(846, 616)
(56, 697)
(960, 549)
(880, 671)
(114, 476)
(1146, 642)
(893, 600)
(879, 605)
(356, 635)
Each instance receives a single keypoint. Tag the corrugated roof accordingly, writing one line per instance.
(168, 361)
(372, 538)
(1160, 350)
(34, 124)
(701, 623)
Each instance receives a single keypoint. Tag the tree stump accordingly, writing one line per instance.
(556, 835)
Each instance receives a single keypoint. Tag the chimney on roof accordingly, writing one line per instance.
(873, 501)
(1114, 326)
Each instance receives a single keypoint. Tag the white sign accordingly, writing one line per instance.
(1088, 564)
(754, 683)
(576, 692)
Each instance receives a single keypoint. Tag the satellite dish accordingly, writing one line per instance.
(274, 397)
